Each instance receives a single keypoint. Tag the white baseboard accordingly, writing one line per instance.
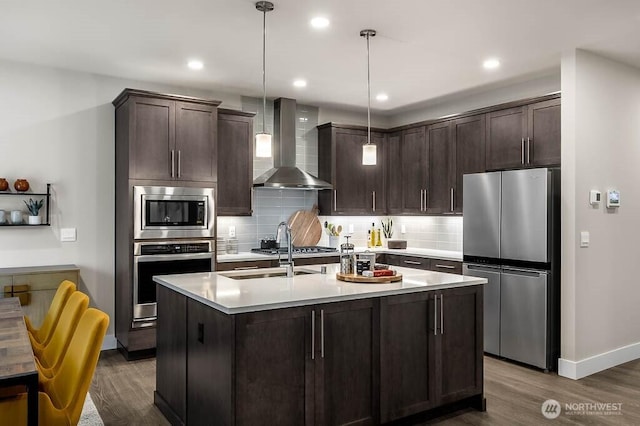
(578, 369)
(109, 342)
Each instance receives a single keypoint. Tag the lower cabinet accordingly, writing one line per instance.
(358, 362)
(430, 350)
(317, 365)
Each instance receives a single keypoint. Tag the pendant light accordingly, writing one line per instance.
(263, 140)
(368, 149)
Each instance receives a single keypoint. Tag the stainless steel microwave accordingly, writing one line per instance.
(173, 212)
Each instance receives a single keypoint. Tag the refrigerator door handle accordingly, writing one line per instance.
(484, 268)
(527, 272)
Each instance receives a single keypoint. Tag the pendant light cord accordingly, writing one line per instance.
(368, 96)
(264, 74)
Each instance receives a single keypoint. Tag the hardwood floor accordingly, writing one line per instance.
(123, 394)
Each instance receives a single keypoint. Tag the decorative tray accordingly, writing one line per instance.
(354, 278)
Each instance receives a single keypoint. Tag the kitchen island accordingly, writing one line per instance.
(253, 347)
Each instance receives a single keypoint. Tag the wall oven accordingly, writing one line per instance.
(172, 212)
(163, 258)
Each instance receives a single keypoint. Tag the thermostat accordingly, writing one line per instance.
(594, 197)
(613, 198)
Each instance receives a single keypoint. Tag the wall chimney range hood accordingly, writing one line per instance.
(285, 174)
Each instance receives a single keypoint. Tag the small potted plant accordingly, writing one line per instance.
(34, 208)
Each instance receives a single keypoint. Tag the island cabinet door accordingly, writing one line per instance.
(460, 343)
(407, 355)
(347, 363)
(274, 368)
(209, 365)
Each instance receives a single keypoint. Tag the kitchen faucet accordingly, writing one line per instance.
(289, 263)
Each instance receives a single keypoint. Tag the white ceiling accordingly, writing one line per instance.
(424, 48)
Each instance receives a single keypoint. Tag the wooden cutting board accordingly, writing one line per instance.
(305, 227)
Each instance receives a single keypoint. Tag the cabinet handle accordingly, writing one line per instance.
(244, 268)
(313, 334)
(435, 315)
(335, 200)
(322, 332)
(528, 151)
(451, 195)
(179, 163)
(251, 195)
(422, 200)
(441, 314)
(173, 163)
(200, 332)
(374, 200)
(426, 199)
(445, 266)
(412, 262)
(522, 151)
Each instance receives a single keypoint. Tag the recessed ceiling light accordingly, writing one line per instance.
(491, 64)
(382, 97)
(195, 64)
(319, 22)
(300, 83)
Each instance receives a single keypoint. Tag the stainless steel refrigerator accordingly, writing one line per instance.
(511, 236)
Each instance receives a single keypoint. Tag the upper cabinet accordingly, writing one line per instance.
(525, 136)
(357, 189)
(469, 139)
(166, 137)
(441, 166)
(235, 162)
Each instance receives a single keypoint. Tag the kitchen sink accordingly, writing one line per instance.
(265, 274)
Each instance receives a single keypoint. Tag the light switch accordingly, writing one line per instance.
(351, 228)
(232, 231)
(67, 234)
(584, 239)
(403, 229)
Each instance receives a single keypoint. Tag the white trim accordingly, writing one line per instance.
(578, 369)
(109, 342)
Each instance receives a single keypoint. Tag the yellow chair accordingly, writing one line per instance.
(43, 334)
(63, 397)
(49, 357)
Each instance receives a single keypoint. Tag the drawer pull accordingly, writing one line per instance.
(412, 262)
(243, 268)
(445, 266)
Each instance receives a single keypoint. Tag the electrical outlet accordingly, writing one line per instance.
(232, 231)
(403, 229)
(584, 239)
(351, 230)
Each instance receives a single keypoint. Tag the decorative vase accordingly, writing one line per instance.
(35, 220)
(4, 185)
(21, 185)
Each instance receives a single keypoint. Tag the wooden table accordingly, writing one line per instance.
(17, 363)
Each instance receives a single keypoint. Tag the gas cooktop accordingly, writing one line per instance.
(296, 250)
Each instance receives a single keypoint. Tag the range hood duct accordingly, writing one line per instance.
(285, 174)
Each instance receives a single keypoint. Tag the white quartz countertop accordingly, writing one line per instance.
(419, 252)
(234, 296)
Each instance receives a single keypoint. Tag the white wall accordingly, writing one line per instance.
(601, 148)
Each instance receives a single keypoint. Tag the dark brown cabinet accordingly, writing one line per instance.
(416, 262)
(525, 136)
(413, 164)
(169, 137)
(316, 364)
(430, 351)
(275, 368)
(469, 138)
(235, 162)
(407, 355)
(441, 166)
(357, 189)
(394, 188)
